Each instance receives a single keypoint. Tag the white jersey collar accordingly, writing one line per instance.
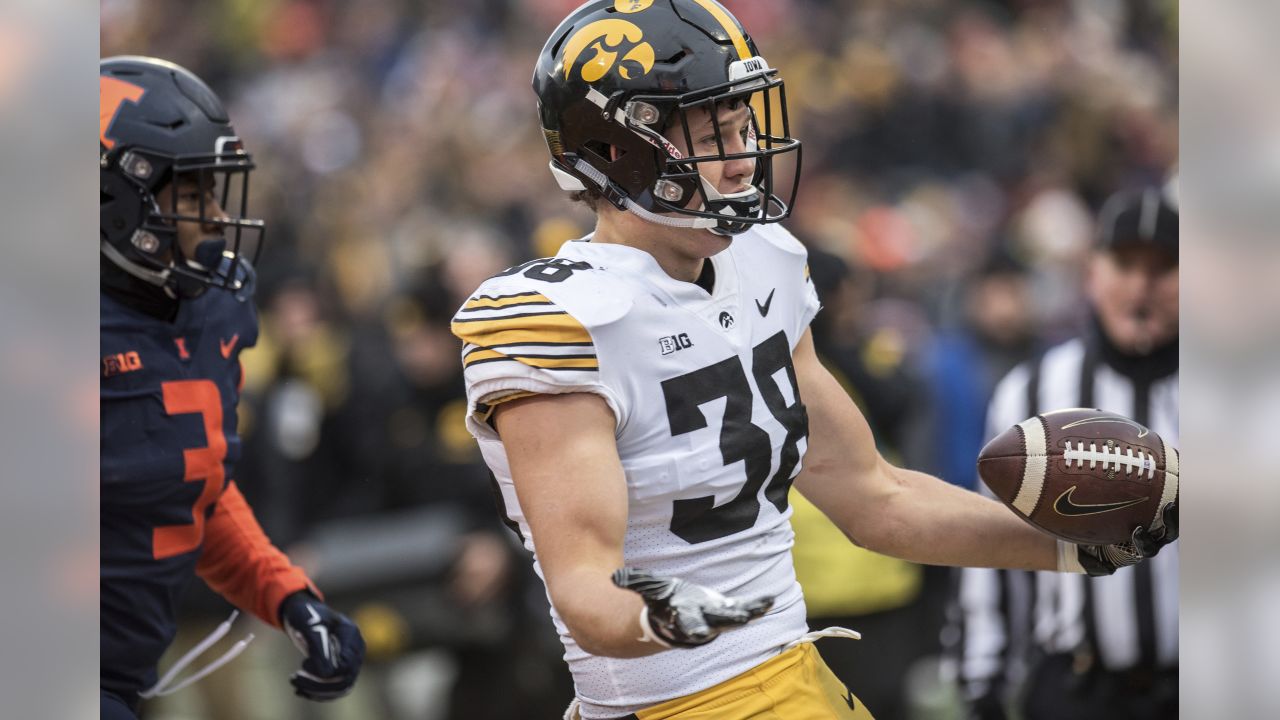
(642, 266)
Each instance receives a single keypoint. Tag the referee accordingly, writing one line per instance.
(1068, 647)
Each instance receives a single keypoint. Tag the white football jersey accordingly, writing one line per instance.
(710, 428)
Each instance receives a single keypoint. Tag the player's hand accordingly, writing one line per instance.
(681, 614)
(1106, 559)
(330, 642)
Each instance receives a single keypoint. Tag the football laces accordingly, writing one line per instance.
(1110, 457)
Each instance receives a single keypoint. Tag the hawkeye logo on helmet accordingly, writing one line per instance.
(631, 6)
(606, 38)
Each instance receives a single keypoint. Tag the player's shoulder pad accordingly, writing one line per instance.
(549, 285)
(231, 312)
(777, 248)
(538, 316)
(781, 238)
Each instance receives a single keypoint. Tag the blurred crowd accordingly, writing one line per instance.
(955, 155)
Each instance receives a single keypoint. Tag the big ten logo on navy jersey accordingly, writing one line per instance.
(121, 362)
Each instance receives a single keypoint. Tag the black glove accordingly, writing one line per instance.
(330, 642)
(1100, 560)
(681, 614)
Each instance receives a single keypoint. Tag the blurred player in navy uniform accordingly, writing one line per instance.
(177, 309)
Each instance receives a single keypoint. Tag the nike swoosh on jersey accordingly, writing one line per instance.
(1064, 505)
(764, 309)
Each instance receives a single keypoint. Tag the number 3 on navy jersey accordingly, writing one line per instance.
(699, 519)
(195, 397)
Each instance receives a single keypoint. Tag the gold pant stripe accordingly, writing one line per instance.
(796, 685)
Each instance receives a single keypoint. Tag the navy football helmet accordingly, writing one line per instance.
(617, 74)
(159, 122)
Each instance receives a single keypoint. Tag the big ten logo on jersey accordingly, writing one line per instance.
(672, 343)
(121, 363)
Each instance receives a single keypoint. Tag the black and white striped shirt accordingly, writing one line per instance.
(1125, 621)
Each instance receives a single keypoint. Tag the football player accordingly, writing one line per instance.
(639, 396)
(176, 311)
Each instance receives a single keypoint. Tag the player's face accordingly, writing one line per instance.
(183, 197)
(734, 120)
(1134, 289)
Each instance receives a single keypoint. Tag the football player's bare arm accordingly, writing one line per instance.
(894, 511)
(567, 474)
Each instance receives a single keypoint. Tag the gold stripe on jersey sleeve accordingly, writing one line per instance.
(485, 302)
(512, 396)
(558, 328)
(546, 362)
(484, 411)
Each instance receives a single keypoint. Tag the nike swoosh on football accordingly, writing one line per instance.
(1065, 506)
(226, 346)
(764, 309)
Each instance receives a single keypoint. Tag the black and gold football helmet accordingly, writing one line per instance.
(617, 74)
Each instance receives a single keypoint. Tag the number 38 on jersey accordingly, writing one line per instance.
(699, 519)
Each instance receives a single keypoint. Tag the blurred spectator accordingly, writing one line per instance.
(869, 359)
(993, 332)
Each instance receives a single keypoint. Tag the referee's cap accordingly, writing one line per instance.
(1143, 216)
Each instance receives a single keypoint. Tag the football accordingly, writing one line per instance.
(1084, 475)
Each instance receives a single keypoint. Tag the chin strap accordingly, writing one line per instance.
(155, 277)
(570, 183)
(602, 183)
